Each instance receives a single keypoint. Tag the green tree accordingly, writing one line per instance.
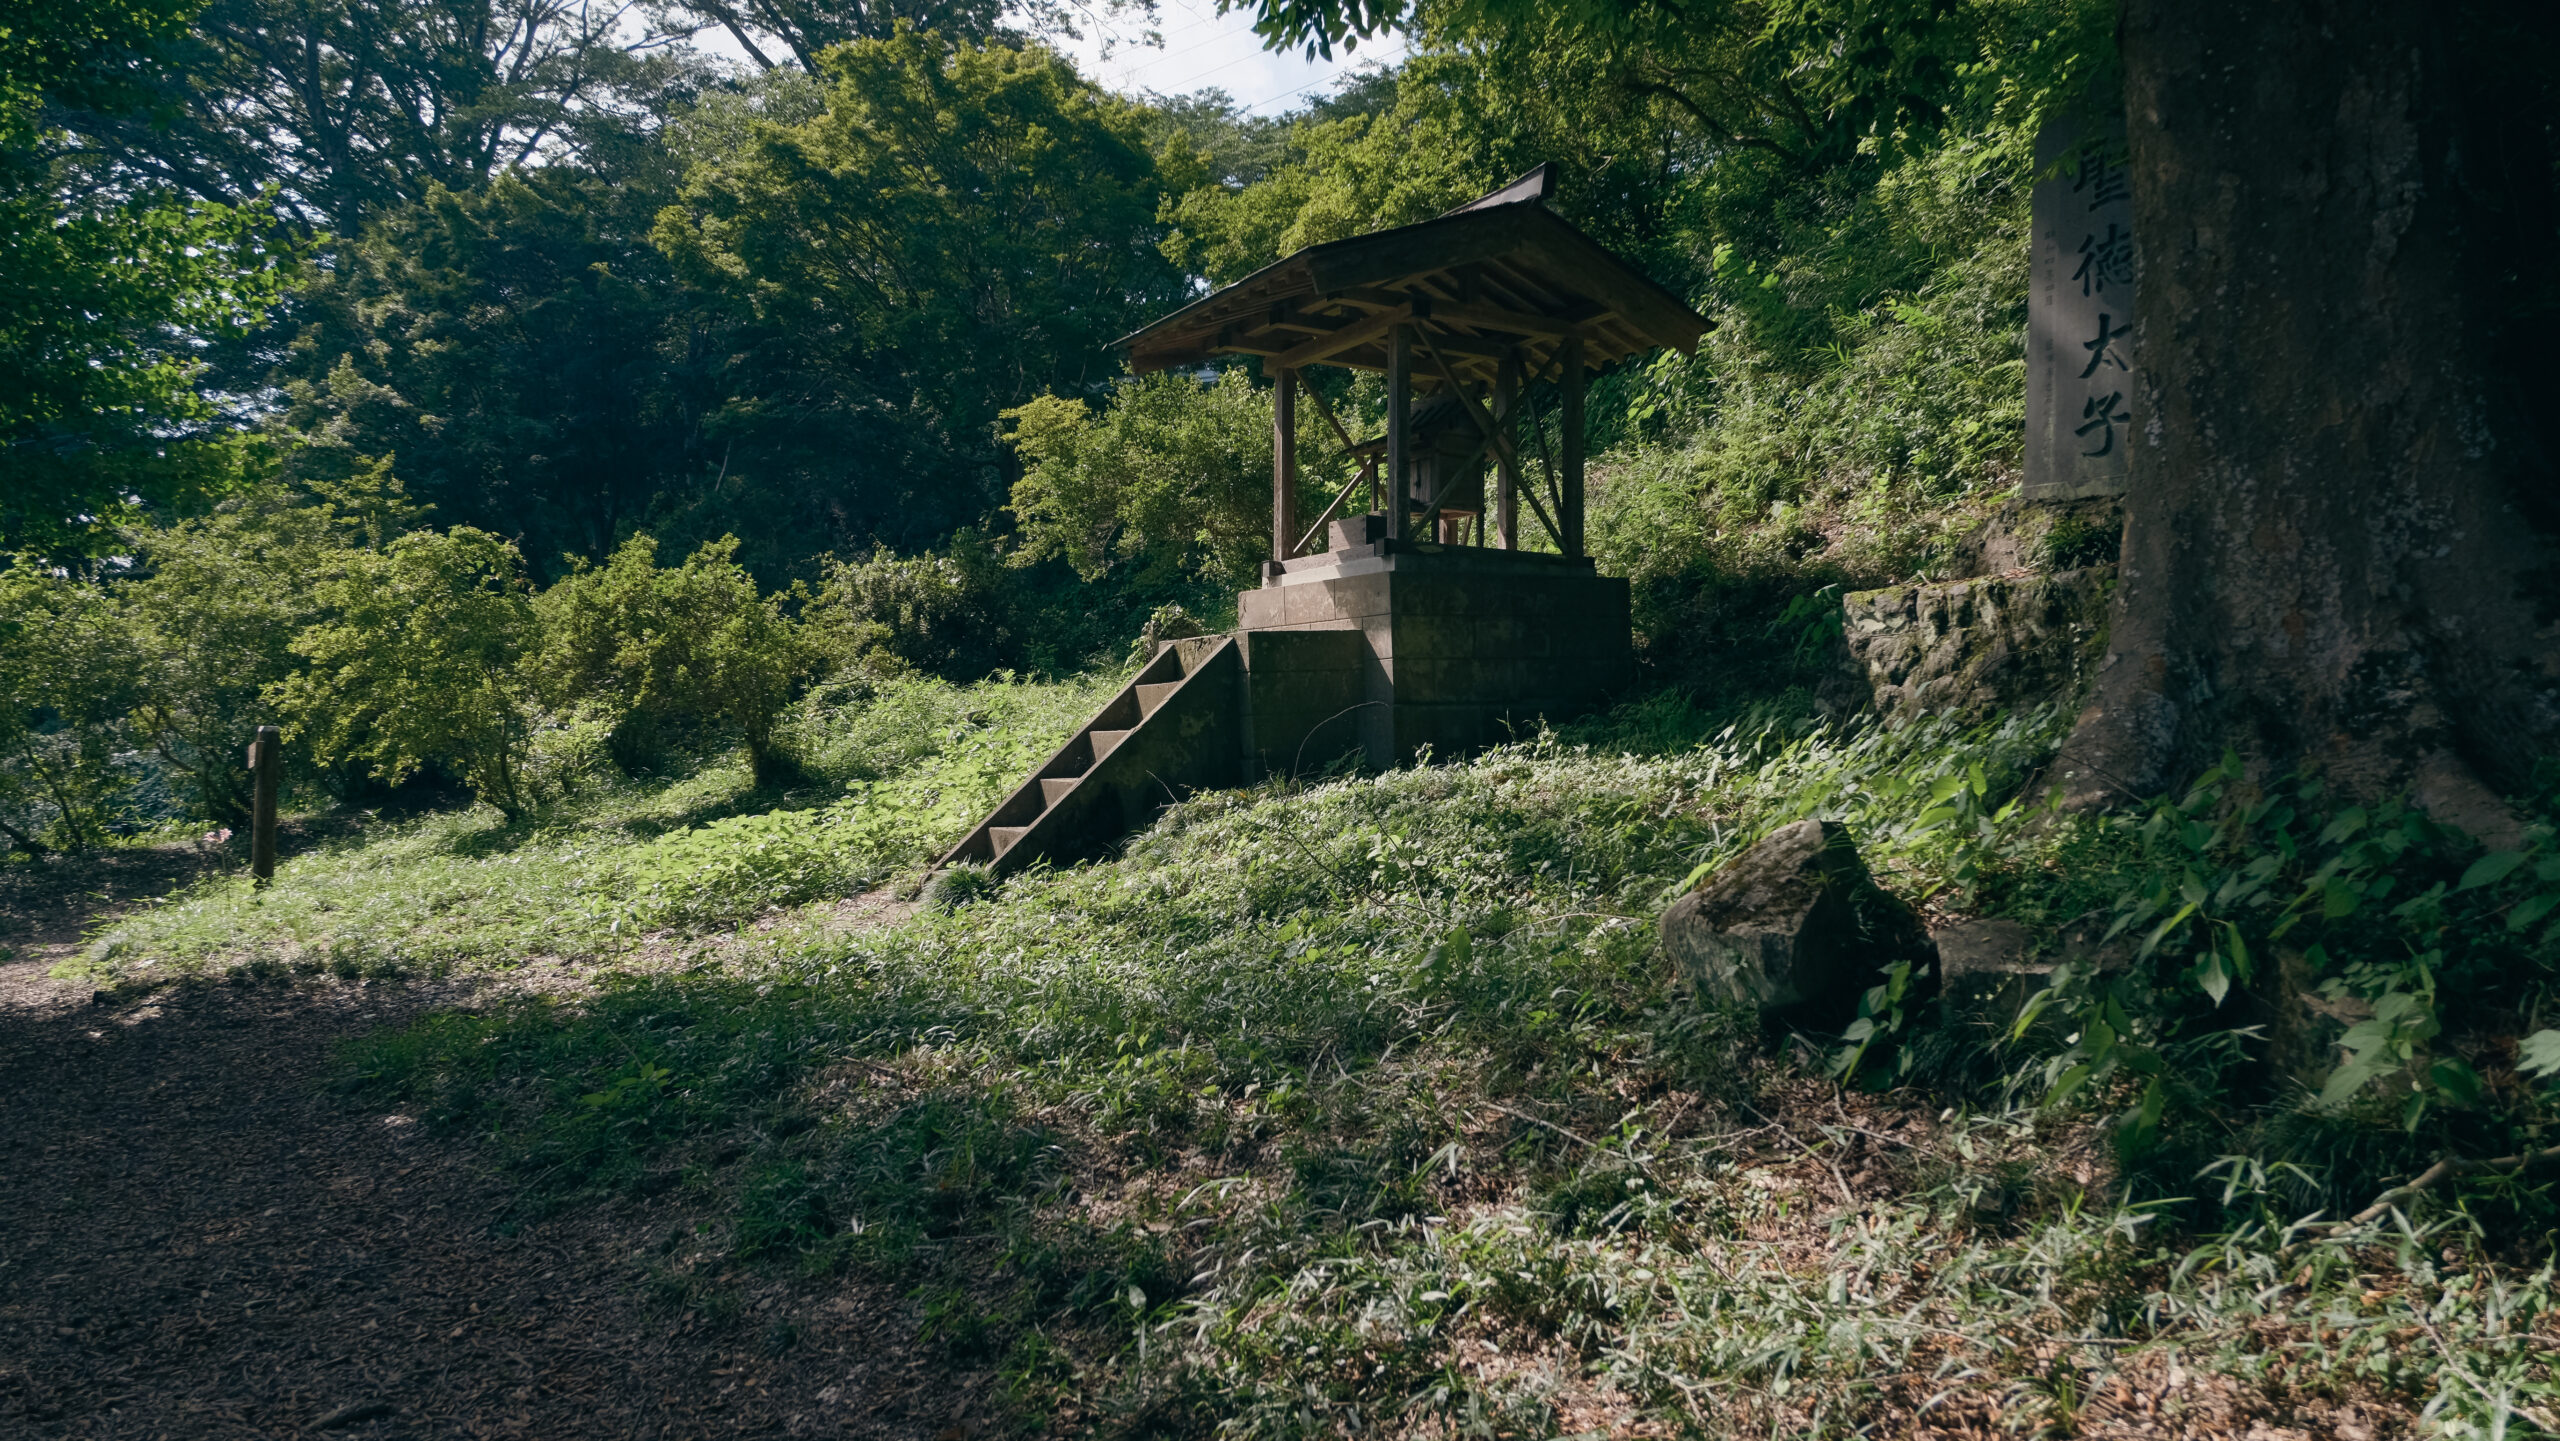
(67, 664)
(216, 605)
(964, 227)
(777, 33)
(1168, 484)
(653, 647)
(105, 292)
(347, 110)
(524, 352)
(418, 662)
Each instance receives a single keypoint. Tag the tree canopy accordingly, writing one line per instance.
(107, 293)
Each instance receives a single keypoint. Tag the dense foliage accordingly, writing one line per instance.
(654, 647)
(1169, 483)
(108, 291)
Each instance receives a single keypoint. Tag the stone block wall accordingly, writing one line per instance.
(1973, 647)
(1304, 694)
(1463, 647)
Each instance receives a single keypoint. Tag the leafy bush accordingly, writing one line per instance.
(419, 662)
(217, 604)
(942, 613)
(67, 672)
(2327, 941)
(657, 647)
(1169, 483)
(1767, 470)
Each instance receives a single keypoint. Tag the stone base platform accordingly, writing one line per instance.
(1391, 647)
(1378, 650)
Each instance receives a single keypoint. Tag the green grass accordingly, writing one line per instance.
(1367, 1105)
(895, 776)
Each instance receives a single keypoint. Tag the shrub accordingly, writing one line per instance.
(217, 606)
(652, 647)
(942, 612)
(67, 663)
(418, 664)
(1168, 483)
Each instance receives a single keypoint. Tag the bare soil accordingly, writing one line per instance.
(200, 1238)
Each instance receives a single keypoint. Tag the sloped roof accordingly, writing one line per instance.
(1499, 273)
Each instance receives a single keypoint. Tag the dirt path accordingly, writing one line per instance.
(199, 1239)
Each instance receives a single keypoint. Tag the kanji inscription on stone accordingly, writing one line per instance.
(2084, 406)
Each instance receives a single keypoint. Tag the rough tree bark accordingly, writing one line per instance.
(2342, 542)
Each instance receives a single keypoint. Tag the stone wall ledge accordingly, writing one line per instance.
(1974, 647)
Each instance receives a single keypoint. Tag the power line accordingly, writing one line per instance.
(1347, 67)
(1341, 69)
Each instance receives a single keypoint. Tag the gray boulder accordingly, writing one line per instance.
(1794, 926)
(1988, 967)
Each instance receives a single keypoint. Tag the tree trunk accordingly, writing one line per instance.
(2342, 538)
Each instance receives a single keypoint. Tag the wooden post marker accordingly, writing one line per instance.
(266, 769)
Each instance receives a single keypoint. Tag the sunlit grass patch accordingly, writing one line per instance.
(909, 769)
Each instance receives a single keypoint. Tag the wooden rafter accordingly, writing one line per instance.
(1502, 269)
(1333, 343)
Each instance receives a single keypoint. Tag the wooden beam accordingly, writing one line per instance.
(1358, 332)
(1571, 424)
(1391, 255)
(1647, 308)
(1284, 463)
(1399, 418)
(1472, 347)
(1148, 362)
(1324, 408)
(1493, 431)
(1484, 423)
(1531, 492)
(1370, 355)
(1506, 398)
(1469, 347)
(1480, 314)
(1336, 504)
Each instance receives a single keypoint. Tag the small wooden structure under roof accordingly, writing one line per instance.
(1396, 637)
(1476, 305)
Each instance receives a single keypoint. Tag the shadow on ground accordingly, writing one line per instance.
(198, 1238)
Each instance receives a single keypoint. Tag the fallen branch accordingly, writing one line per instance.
(1847, 1196)
(1550, 1125)
(2449, 1166)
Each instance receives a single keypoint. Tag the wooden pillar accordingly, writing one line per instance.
(1506, 398)
(1571, 520)
(1399, 413)
(266, 770)
(1284, 464)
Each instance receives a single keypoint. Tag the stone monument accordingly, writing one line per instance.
(2084, 407)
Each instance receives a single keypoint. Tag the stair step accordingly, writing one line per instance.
(1105, 742)
(1004, 836)
(1152, 696)
(1053, 791)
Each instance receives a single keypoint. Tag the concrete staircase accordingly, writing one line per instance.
(1174, 728)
